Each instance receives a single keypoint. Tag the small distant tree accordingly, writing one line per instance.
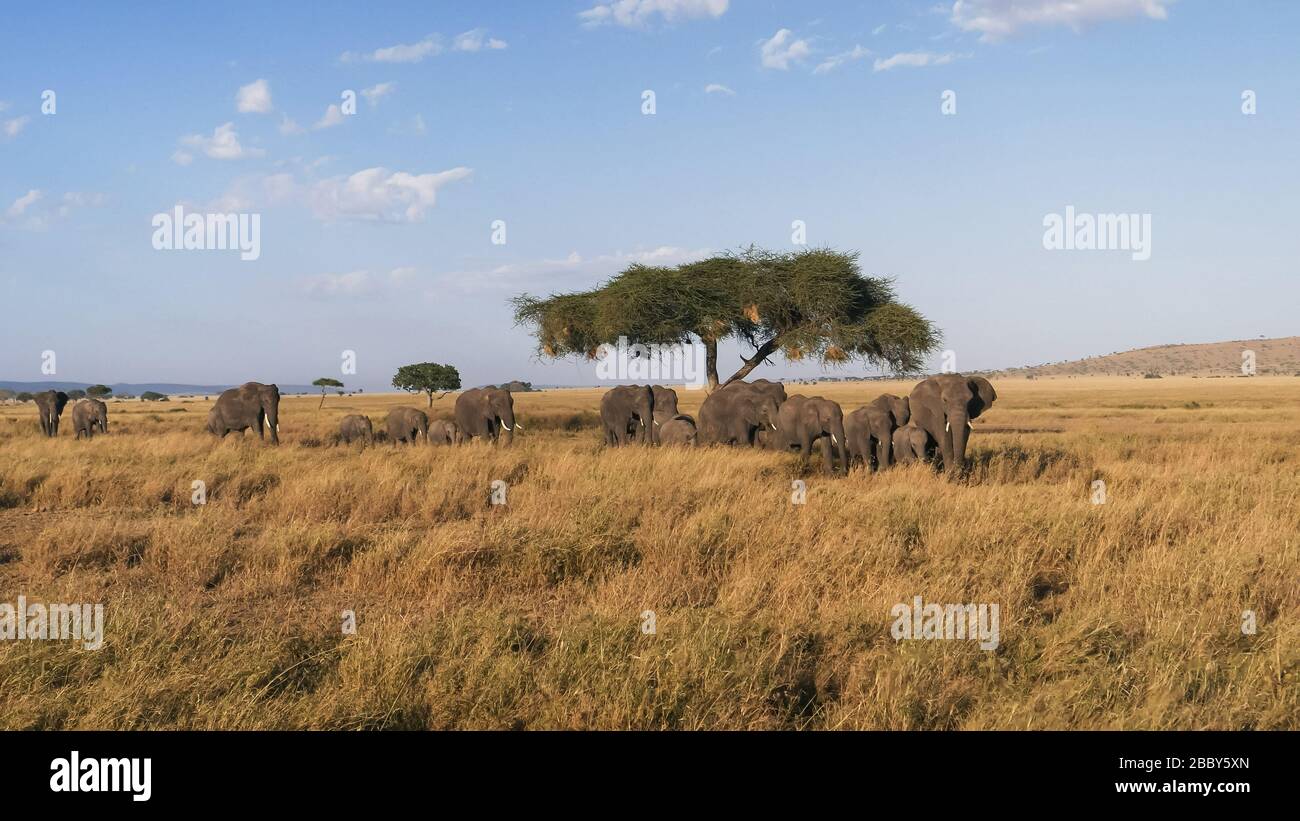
(323, 383)
(24, 396)
(151, 396)
(99, 391)
(77, 394)
(428, 378)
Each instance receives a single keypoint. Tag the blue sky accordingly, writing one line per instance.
(376, 227)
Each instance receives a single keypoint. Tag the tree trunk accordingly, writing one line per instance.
(322, 400)
(711, 363)
(767, 349)
(431, 399)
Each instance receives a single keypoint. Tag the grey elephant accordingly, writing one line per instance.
(50, 405)
(680, 430)
(871, 429)
(251, 405)
(734, 413)
(943, 406)
(89, 415)
(443, 432)
(911, 444)
(356, 428)
(665, 404)
(488, 413)
(803, 420)
(407, 425)
(627, 415)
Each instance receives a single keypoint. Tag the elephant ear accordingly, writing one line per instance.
(982, 396)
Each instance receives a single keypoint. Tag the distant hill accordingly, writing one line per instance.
(1273, 357)
(135, 389)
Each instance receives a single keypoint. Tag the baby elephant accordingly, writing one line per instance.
(407, 425)
(87, 415)
(443, 432)
(910, 444)
(355, 427)
(680, 430)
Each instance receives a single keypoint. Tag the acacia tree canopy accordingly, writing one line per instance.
(812, 303)
(427, 377)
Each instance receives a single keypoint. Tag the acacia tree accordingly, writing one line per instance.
(324, 383)
(427, 377)
(813, 303)
(99, 391)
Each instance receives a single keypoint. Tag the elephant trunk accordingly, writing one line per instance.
(958, 430)
(273, 422)
(842, 444)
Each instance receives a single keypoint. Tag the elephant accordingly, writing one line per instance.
(87, 415)
(943, 406)
(251, 405)
(665, 404)
(51, 405)
(443, 432)
(680, 430)
(486, 412)
(407, 425)
(803, 420)
(627, 414)
(871, 429)
(911, 444)
(356, 427)
(733, 414)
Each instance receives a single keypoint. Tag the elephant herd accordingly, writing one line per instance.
(488, 413)
(931, 424)
(88, 415)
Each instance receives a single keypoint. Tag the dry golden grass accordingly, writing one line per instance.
(769, 615)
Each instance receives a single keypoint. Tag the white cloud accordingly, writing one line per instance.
(351, 284)
(914, 59)
(430, 46)
(782, 49)
(879, 29)
(288, 127)
(718, 88)
(403, 274)
(4, 106)
(182, 157)
(13, 127)
(637, 13)
(380, 195)
(377, 92)
(222, 145)
(21, 204)
(333, 116)
(996, 19)
(835, 61)
(81, 199)
(254, 98)
(573, 268)
(477, 40)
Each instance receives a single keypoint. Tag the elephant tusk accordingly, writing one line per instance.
(969, 425)
(947, 426)
(643, 423)
(518, 426)
(507, 427)
(834, 441)
(657, 424)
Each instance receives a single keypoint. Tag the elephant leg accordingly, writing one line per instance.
(829, 450)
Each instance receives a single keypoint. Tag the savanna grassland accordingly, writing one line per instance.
(227, 615)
